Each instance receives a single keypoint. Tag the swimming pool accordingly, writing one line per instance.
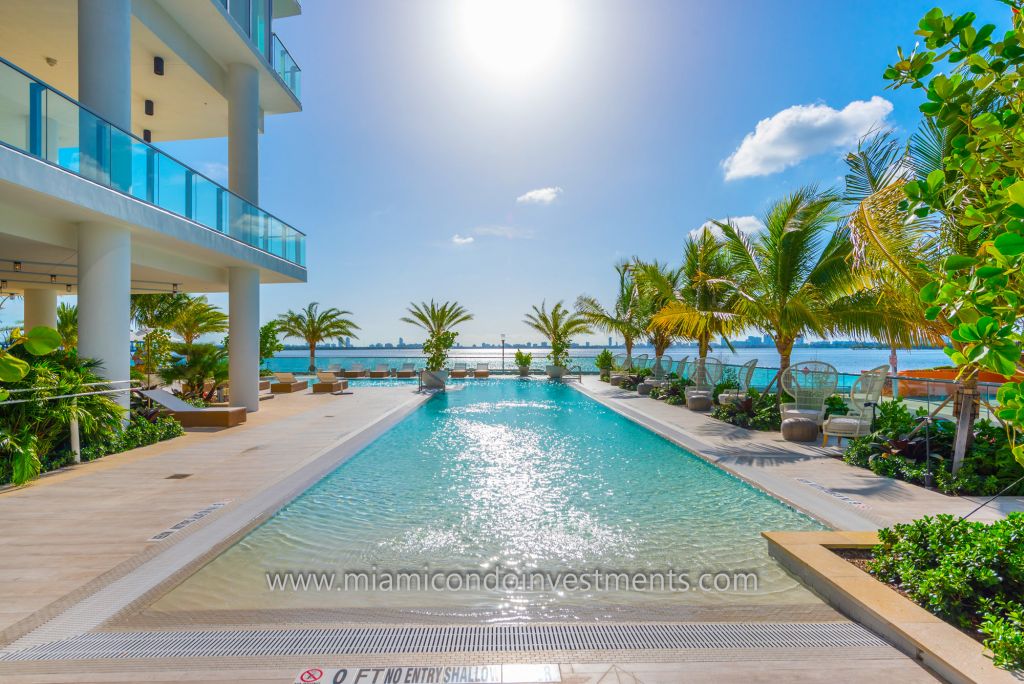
(527, 479)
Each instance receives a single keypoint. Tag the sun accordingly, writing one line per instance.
(512, 39)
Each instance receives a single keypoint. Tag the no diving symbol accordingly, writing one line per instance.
(311, 676)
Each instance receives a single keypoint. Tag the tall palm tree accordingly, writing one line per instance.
(625, 319)
(796, 277)
(315, 326)
(197, 317)
(437, 320)
(697, 300)
(156, 310)
(559, 326)
(67, 325)
(656, 283)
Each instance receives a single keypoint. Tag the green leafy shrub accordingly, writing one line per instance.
(758, 412)
(836, 406)
(729, 381)
(970, 574)
(674, 400)
(523, 359)
(604, 361)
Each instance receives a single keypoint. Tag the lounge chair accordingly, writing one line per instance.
(264, 385)
(408, 370)
(382, 370)
(483, 370)
(743, 378)
(192, 416)
(810, 383)
(356, 371)
(865, 393)
(336, 369)
(329, 383)
(286, 383)
(704, 374)
(459, 370)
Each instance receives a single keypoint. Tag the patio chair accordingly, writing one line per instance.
(743, 378)
(864, 394)
(329, 383)
(661, 369)
(357, 370)
(639, 363)
(191, 416)
(459, 370)
(483, 370)
(336, 369)
(381, 370)
(705, 374)
(286, 383)
(408, 370)
(809, 383)
(621, 366)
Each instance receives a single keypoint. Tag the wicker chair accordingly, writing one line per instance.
(743, 377)
(810, 383)
(864, 394)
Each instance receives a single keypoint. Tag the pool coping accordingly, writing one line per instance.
(928, 639)
(698, 448)
(97, 603)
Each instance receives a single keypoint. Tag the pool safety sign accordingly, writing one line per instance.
(445, 674)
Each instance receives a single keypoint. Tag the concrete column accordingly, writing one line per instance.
(40, 308)
(105, 59)
(244, 332)
(243, 131)
(104, 294)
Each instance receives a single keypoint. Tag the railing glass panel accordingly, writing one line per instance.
(43, 122)
(286, 67)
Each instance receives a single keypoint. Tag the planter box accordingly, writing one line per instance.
(938, 645)
(524, 371)
(556, 372)
(434, 379)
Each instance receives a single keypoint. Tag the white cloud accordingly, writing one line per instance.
(460, 240)
(540, 196)
(801, 131)
(507, 232)
(215, 171)
(744, 224)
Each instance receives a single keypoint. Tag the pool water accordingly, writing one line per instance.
(522, 475)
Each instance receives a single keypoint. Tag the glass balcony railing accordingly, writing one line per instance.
(47, 124)
(286, 67)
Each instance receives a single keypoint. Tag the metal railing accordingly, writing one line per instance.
(40, 121)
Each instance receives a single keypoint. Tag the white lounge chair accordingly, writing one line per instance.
(381, 370)
(408, 370)
(356, 371)
(329, 383)
(192, 416)
(459, 370)
(864, 394)
(743, 378)
(483, 370)
(336, 369)
(810, 383)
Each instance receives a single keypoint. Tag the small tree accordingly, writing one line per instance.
(559, 326)
(67, 325)
(315, 326)
(438, 321)
(269, 342)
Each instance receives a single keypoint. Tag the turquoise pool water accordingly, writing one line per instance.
(518, 476)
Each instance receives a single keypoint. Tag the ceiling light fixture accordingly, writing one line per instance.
(67, 288)
(17, 266)
(53, 279)
(174, 288)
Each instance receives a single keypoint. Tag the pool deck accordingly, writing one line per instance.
(807, 476)
(73, 539)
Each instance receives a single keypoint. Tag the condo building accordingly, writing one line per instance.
(89, 206)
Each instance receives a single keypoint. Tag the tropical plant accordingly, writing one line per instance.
(656, 284)
(30, 431)
(627, 318)
(67, 325)
(438, 321)
(315, 326)
(197, 317)
(523, 359)
(975, 197)
(795, 277)
(559, 326)
(205, 362)
(697, 303)
(156, 310)
(269, 342)
(604, 361)
(38, 341)
(153, 352)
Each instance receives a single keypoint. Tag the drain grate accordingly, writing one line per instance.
(473, 639)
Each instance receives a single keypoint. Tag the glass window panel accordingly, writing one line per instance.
(62, 132)
(171, 178)
(15, 99)
(206, 202)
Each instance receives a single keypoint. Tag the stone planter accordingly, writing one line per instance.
(643, 389)
(524, 371)
(556, 372)
(434, 379)
(616, 380)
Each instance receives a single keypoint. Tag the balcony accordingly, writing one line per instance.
(253, 17)
(42, 122)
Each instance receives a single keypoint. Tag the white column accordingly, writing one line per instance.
(244, 333)
(105, 59)
(104, 293)
(40, 308)
(243, 131)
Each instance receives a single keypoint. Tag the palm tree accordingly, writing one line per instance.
(67, 325)
(559, 326)
(197, 317)
(203, 362)
(696, 300)
(315, 326)
(437, 320)
(624, 319)
(795, 278)
(156, 310)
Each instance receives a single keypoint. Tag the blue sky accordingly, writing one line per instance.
(421, 124)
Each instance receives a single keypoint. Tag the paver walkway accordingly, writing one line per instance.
(806, 475)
